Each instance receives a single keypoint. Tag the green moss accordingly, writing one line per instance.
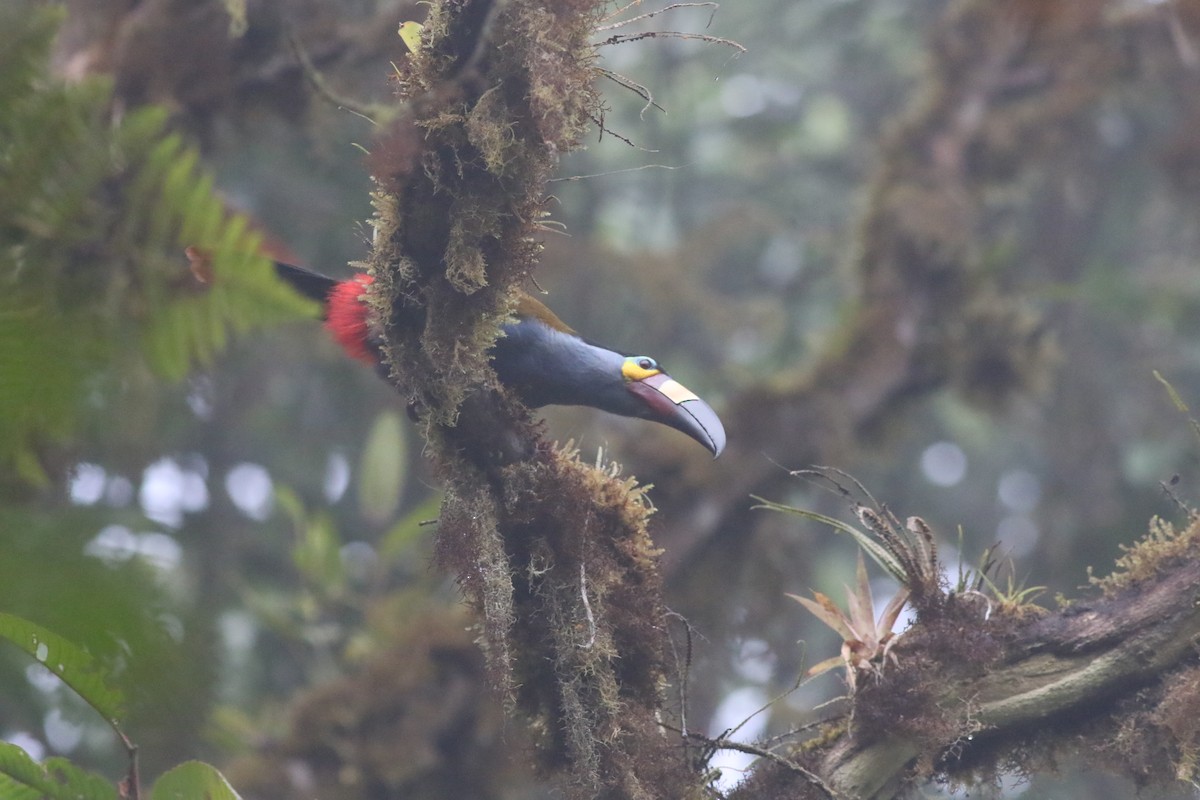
(553, 554)
(1162, 546)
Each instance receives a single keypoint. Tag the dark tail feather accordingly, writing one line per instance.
(312, 285)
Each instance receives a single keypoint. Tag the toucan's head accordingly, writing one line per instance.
(541, 360)
(546, 363)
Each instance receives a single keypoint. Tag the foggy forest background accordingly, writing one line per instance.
(238, 531)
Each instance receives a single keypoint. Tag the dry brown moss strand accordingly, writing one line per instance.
(469, 544)
(590, 597)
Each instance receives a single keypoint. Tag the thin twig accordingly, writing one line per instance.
(683, 669)
(780, 738)
(1169, 491)
(663, 10)
(765, 706)
(617, 172)
(821, 479)
(812, 777)
(321, 87)
(625, 38)
(130, 787)
(622, 10)
(587, 607)
(723, 743)
(633, 86)
(605, 129)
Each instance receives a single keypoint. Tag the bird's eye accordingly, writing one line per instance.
(638, 368)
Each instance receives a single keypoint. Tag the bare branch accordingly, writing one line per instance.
(702, 37)
(663, 10)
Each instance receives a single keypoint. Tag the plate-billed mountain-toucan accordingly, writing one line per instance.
(539, 358)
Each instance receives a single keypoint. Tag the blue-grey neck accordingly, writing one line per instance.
(545, 367)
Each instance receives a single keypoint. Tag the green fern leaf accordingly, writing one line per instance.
(94, 218)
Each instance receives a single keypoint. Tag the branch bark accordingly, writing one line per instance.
(1073, 683)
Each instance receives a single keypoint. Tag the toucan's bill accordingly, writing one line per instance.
(671, 403)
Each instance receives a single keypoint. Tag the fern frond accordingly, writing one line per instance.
(94, 219)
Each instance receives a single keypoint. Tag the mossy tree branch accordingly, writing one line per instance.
(1114, 683)
(554, 554)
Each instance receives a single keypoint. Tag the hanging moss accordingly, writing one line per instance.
(554, 554)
